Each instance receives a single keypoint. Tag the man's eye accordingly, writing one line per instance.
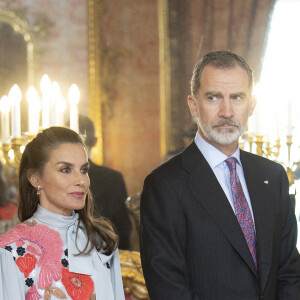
(237, 98)
(212, 98)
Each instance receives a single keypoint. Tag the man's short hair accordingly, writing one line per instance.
(87, 129)
(224, 59)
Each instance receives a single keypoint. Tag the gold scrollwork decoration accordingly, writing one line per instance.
(33, 33)
(132, 274)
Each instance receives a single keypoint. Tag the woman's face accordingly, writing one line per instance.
(65, 181)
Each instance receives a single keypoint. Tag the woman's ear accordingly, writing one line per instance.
(33, 177)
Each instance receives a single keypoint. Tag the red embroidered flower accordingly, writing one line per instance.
(26, 264)
(32, 294)
(78, 286)
(43, 242)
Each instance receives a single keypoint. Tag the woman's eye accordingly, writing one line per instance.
(65, 170)
(84, 171)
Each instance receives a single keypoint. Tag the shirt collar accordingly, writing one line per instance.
(213, 155)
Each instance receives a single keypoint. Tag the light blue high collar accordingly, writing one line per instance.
(51, 219)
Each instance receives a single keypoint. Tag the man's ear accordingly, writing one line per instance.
(253, 102)
(33, 177)
(192, 103)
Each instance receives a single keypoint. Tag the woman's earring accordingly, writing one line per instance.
(38, 192)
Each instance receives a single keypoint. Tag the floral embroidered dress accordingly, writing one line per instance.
(44, 250)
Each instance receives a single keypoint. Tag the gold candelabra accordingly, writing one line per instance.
(11, 151)
(257, 144)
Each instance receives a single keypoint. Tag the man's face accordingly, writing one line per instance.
(222, 106)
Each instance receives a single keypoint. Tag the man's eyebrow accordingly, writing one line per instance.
(213, 93)
(241, 94)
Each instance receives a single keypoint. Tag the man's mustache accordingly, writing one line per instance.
(225, 122)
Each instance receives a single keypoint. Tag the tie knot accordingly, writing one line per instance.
(231, 163)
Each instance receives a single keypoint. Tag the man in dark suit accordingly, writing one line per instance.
(108, 188)
(217, 223)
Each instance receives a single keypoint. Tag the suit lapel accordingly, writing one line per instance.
(258, 188)
(209, 193)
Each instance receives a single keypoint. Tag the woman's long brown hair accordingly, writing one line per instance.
(100, 232)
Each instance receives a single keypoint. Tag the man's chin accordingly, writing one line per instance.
(224, 137)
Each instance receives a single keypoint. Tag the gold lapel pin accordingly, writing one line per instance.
(266, 182)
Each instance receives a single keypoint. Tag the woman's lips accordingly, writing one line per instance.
(77, 194)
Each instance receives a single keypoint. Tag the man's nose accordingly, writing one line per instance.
(226, 109)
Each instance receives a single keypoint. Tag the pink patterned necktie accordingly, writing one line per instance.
(242, 210)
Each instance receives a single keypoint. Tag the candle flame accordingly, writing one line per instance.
(15, 94)
(33, 98)
(45, 84)
(74, 94)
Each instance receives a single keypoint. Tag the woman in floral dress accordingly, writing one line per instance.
(60, 249)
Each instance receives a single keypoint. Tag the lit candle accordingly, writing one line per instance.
(73, 97)
(15, 97)
(61, 107)
(257, 93)
(45, 85)
(277, 124)
(258, 121)
(289, 118)
(4, 108)
(55, 96)
(34, 107)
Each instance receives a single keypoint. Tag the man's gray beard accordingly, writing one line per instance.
(225, 136)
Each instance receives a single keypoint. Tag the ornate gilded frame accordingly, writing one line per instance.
(94, 90)
(21, 26)
(164, 75)
(95, 8)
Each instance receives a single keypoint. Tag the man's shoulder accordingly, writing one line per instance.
(178, 164)
(260, 161)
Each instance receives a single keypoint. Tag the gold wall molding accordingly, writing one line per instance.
(94, 90)
(102, 74)
(164, 76)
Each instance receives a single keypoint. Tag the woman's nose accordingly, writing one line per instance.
(80, 179)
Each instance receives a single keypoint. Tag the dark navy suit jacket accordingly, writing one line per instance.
(192, 246)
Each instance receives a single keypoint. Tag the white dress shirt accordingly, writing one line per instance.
(216, 160)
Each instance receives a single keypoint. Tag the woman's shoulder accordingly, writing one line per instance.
(30, 232)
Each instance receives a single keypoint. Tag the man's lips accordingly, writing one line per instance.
(225, 124)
